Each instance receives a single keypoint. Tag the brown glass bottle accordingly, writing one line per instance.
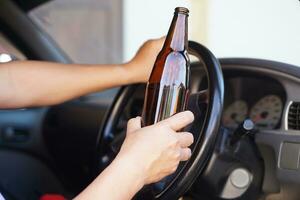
(168, 85)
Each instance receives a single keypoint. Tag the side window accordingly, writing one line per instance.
(88, 31)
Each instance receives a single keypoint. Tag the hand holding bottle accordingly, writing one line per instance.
(147, 155)
(155, 151)
(142, 63)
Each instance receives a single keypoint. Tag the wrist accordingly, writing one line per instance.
(132, 170)
(132, 73)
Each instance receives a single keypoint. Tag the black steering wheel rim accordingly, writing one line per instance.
(203, 146)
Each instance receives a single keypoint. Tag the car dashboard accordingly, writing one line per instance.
(250, 96)
(266, 93)
(260, 93)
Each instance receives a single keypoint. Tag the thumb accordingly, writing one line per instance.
(133, 125)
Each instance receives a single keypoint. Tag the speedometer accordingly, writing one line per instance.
(235, 114)
(266, 113)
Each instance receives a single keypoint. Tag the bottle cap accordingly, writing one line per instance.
(182, 10)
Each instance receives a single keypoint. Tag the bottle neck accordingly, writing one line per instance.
(177, 38)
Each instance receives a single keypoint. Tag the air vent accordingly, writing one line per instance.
(294, 116)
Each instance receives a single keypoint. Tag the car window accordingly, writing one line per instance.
(88, 31)
(101, 31)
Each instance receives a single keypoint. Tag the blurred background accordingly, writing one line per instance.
(101, 31)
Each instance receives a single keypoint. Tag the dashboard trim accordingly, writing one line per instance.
(286, 114)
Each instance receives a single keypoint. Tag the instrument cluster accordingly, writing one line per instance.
(259, 99)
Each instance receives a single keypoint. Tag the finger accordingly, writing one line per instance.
(185, 154)
(179, 120)
(133, 125)
(185, 139)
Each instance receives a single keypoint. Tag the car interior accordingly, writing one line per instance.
(247, 127)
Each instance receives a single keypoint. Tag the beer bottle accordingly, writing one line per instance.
(168, 85)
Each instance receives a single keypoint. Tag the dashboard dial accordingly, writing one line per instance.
(235, 114)
(266, 112)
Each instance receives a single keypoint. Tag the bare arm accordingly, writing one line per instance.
(119, 181)
(33, 83)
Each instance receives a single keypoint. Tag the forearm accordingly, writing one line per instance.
(119, 181)
(32, 83)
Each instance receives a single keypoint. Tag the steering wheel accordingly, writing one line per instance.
(207, 106)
